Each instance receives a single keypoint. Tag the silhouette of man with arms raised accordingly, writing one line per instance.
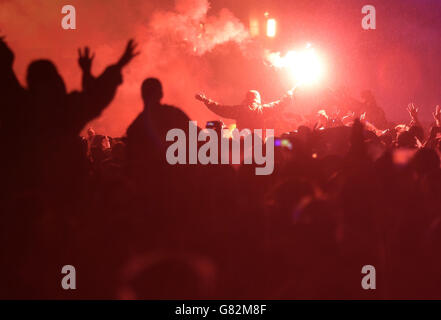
(251, 113)
(55, 117)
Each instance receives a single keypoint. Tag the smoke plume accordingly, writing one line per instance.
(190, 26)
(175, 39)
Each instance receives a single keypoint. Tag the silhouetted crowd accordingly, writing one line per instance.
(348, 189)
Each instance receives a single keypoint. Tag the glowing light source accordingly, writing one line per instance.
(305, 67)
(254, 27)
(283, 143)
(271, 28)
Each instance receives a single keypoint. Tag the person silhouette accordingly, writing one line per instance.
(11, 92)
(55, 117)
(13, 98)
(155, 179)
(152, 124)
(251, 113)
(53, 104)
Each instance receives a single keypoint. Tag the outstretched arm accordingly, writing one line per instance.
(224, 111)
(270, 109)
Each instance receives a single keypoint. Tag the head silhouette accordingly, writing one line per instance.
(252, 96)
(151, 91)
(43, 79)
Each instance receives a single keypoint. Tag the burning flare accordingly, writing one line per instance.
(305, 66)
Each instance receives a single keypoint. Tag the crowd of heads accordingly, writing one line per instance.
(348, 189)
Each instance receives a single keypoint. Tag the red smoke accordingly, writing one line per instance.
(173, 42)
(193, 47)
(190, 27)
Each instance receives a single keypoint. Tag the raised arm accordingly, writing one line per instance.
(85, 62)
(437, 116)
(224, 111)
(435, 130)
(99, 92)
(8, 80)
(413, 112)
(12, 93)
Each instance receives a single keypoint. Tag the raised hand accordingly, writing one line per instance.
(201, 97)
(291, 91)
(6, 54)
(437, 116)
(128, 54)
(323, 115)
(413, 112)
(348, 118)
(85, 59)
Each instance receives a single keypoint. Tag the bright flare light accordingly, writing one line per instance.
(271, 28)
(305, 67)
